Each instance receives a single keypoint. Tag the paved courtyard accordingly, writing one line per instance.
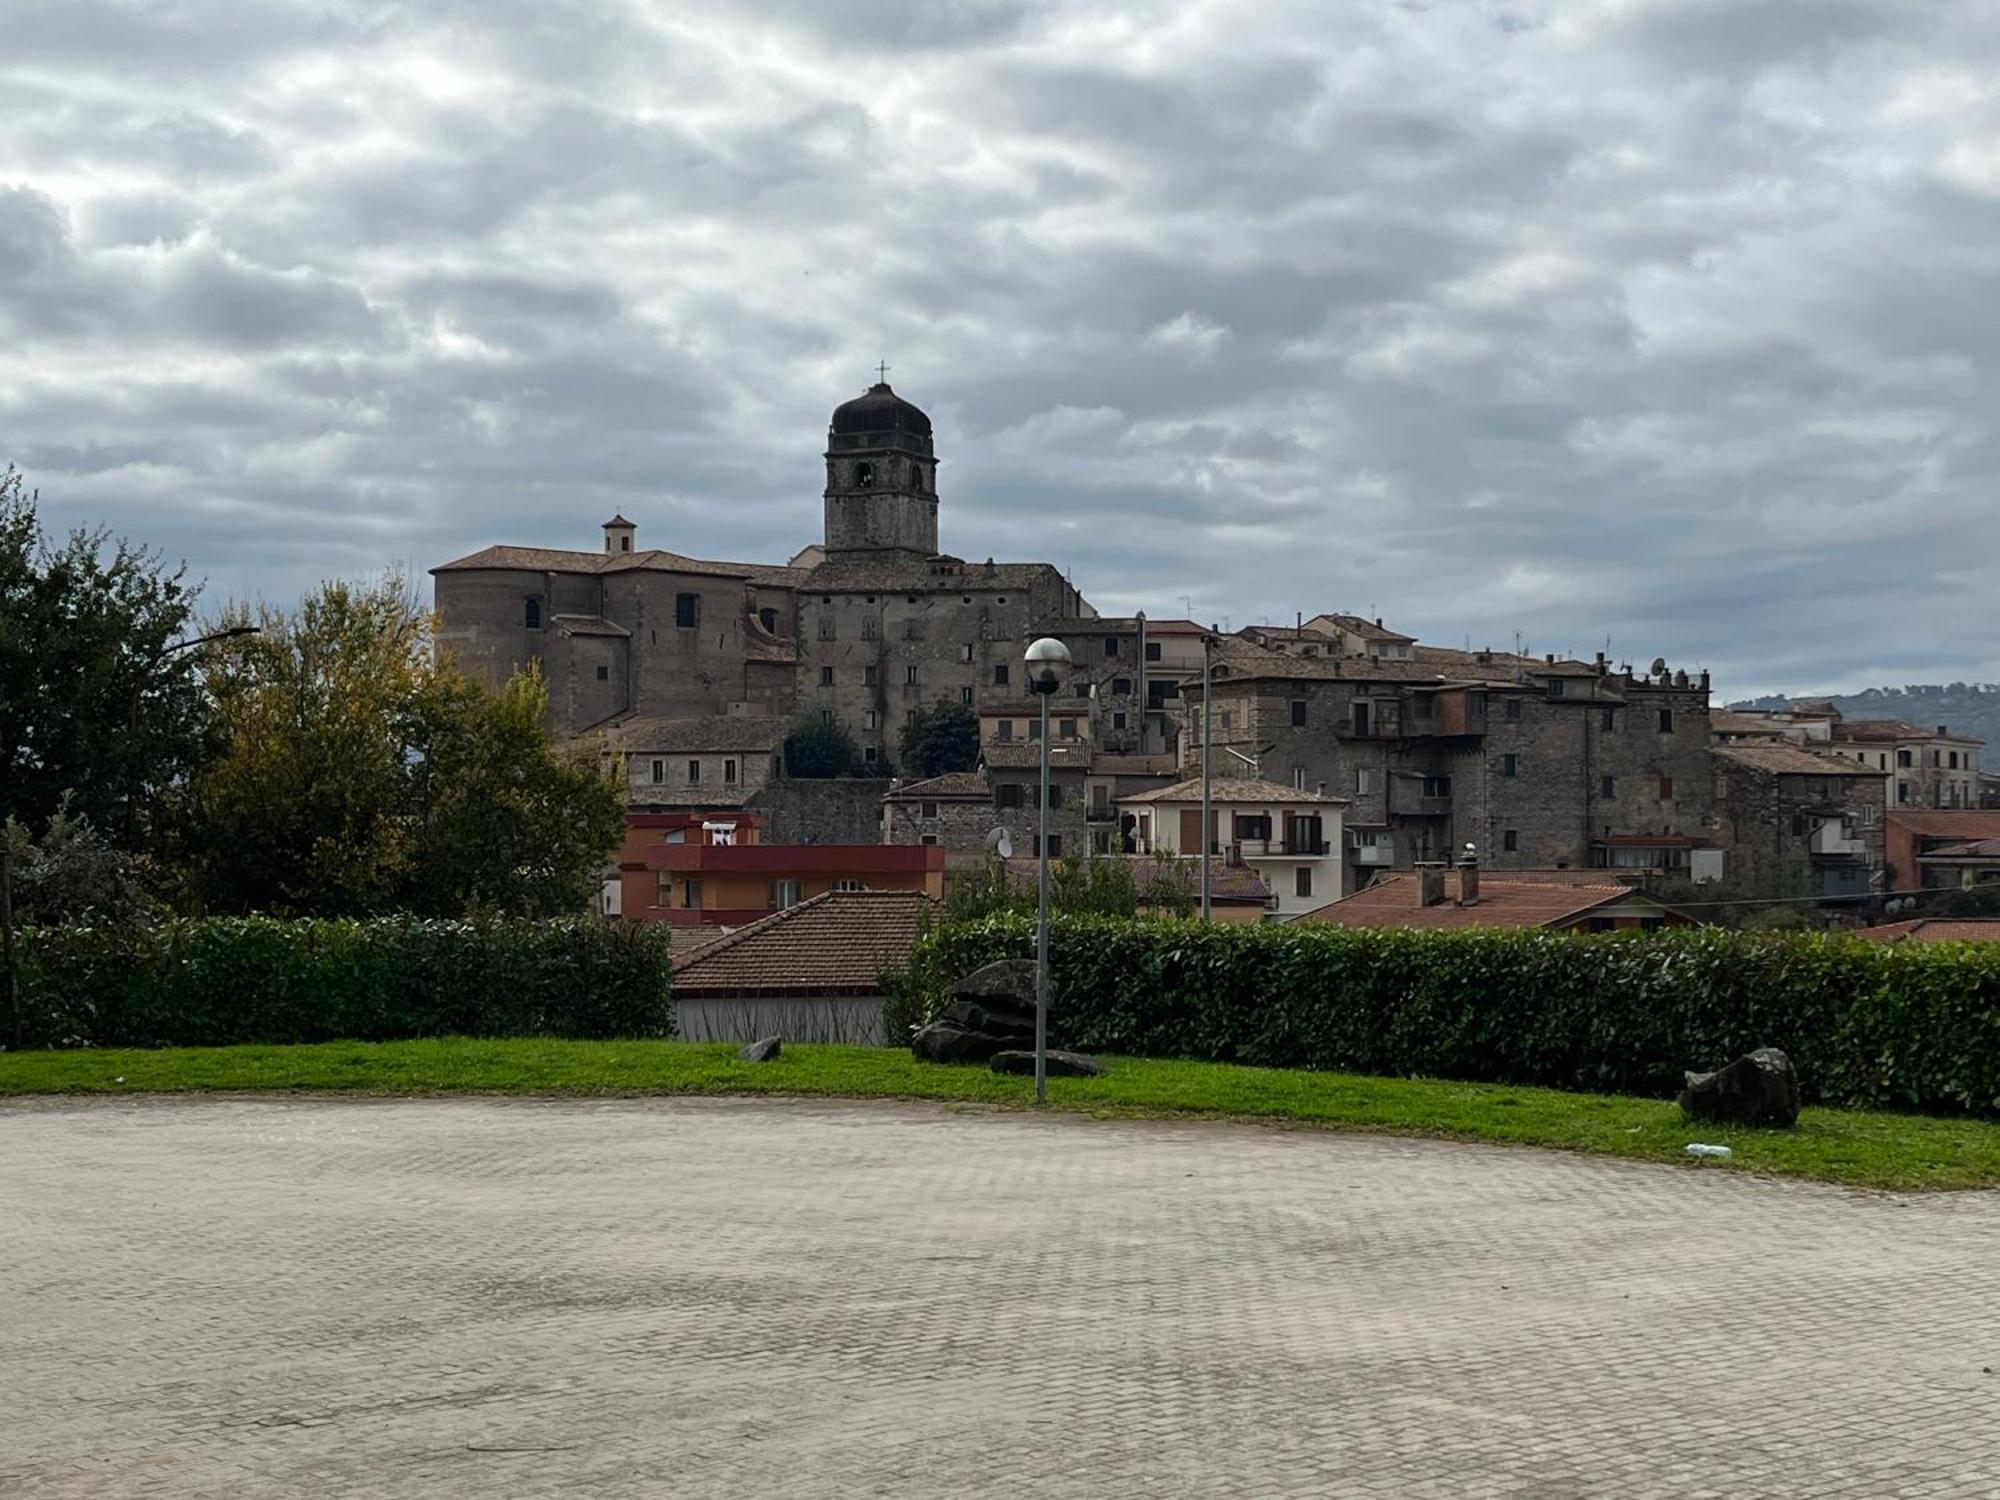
(656, 1298)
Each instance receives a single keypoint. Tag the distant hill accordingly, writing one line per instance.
(1969, 708)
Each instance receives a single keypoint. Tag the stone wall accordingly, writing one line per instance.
(834, 810)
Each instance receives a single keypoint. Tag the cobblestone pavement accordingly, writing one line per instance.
(656, 1298)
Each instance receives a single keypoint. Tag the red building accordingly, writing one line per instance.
(713, 869)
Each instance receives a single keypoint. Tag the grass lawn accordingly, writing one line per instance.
(1860, 1149)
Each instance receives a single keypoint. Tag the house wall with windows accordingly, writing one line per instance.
(1293, 840)
(692, 880)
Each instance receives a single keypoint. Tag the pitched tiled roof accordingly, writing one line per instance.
(1970, 849)
(1935, 930)
(1505, 900)
(1368, 630)
(1966, 823)
(836, 944)
(684, 942)
(717, 733)
(1725, 721)
(953, 784)
(588, 625)
(1223, 790)
(1786, 759)
(653, 559)
(1878, 729)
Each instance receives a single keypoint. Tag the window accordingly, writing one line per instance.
(604, 674)
(868, 675)
(826, 676)
(1118, 721)
(1934, 757)
(965, 652)
(1513, 708)
(1000, 675)
(1364, 780)
(1066, 728)
(1666, 788)
(1251, 825)
(826, 627)
(1420, 706)
(1953, 761)
(1298, 778)
(965, 696)
(1556, 687)
(1229, 718)
(1111, 645)
(1055, 846)
(1609, 718)
(1152, 651)
(659, 770)
(729, 773)
(1607, 788)
(910, 674)
(826, 716)
(1034, 729)
(864, 475)
(1121, 687)
(534, 612)
(1601, 924)
(784, 893)
(1009, 793)
(1905, 758)
(871, 628)
(1666, 721)
(1510, 839)
(1652, 924)
(913, 630)
(694, 772)
(869, 719)
(1437, 786)
(663, 889)
(1005, 733)
(1298, 713)
(687, 610)
(1302, 881)
(1081, 690)
(868, 755)
(1508, 765)
(1055, 794)
(849, 883)
(768, 618)
(691, 894)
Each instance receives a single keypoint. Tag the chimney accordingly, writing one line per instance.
(1944, 731)
(1468, 877)
(1430, 884)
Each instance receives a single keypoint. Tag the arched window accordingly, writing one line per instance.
(864, 475)
(533, 614)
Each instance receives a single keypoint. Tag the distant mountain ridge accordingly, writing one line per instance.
(1967, 707)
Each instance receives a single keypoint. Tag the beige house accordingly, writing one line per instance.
(1291, 838)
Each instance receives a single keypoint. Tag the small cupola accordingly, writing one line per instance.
(619, 534)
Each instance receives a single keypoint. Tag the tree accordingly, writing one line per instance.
(815, 750)
(941, 739)
(359, 774)
(98, 713)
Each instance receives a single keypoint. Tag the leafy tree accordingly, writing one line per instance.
(815, 750)
(98, 710)
(941, 739)
(73, 874)
(361, 774)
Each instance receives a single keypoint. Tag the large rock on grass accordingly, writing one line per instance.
(1060, 1064)
(949, 1042)
(1759, 1088)
(764, 1049)
(998, 999)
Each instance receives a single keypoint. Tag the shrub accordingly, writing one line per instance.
(1911, 1026)
(224, 980)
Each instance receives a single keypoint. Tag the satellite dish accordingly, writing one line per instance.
(997, 843)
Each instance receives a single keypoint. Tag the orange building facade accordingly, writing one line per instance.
(715, 870)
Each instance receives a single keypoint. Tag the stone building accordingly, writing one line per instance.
(1797, 822)
(865, 628)
(1539, 763)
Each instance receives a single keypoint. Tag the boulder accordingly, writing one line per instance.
(1009, 979)
(949, 1042)
(995, 1017)
(765, 1049)
(1060, 1064)
(1759, 1088)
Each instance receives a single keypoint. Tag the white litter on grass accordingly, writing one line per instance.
(1696, 1148)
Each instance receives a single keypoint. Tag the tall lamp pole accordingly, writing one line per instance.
(1047, 659)
(1207, 720)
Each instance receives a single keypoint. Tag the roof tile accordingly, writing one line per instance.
(835, 944)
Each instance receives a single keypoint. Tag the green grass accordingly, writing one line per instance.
(1845, 1146)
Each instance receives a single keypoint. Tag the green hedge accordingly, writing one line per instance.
(1906, 1026)
(216, 981)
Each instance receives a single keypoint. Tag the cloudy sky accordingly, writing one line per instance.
(1667, 321)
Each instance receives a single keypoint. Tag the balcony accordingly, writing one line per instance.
(1835, 838)
(1413, 804)
(1375, 856)
(1294, 848)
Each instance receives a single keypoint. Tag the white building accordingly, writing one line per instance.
(1292, 838)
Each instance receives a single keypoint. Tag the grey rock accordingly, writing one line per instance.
(1009, 979)
(949, 1042)
(1759, 1088)
(765, 1049)
(1060, 1064)
(995, 1017)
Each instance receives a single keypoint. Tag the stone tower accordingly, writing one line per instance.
(881, 478)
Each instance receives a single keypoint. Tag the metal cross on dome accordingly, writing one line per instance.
(882, 373)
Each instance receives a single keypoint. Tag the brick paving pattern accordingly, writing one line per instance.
(691, 1298)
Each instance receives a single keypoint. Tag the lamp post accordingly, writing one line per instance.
(1207, 721)
(1047, 660)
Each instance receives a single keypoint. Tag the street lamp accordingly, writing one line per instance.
(1047, 661)
(1208, 645)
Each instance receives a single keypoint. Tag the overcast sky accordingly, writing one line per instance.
(1668, 321)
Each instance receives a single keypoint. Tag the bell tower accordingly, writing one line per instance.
(881, 477)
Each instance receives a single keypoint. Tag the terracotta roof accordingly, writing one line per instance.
(1878, 729)
(1971, 849)
(1026, 755)
(1727, 721)
(1505, 900)
(1368, 630)
(953, 784)
(1238, 885)
(1224, 790)
(1965, 823)
(683, 942)
(719, 733)
(835, 944)
(1786, 759)
(1935, 930)
(654, 559)
(588, 625)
